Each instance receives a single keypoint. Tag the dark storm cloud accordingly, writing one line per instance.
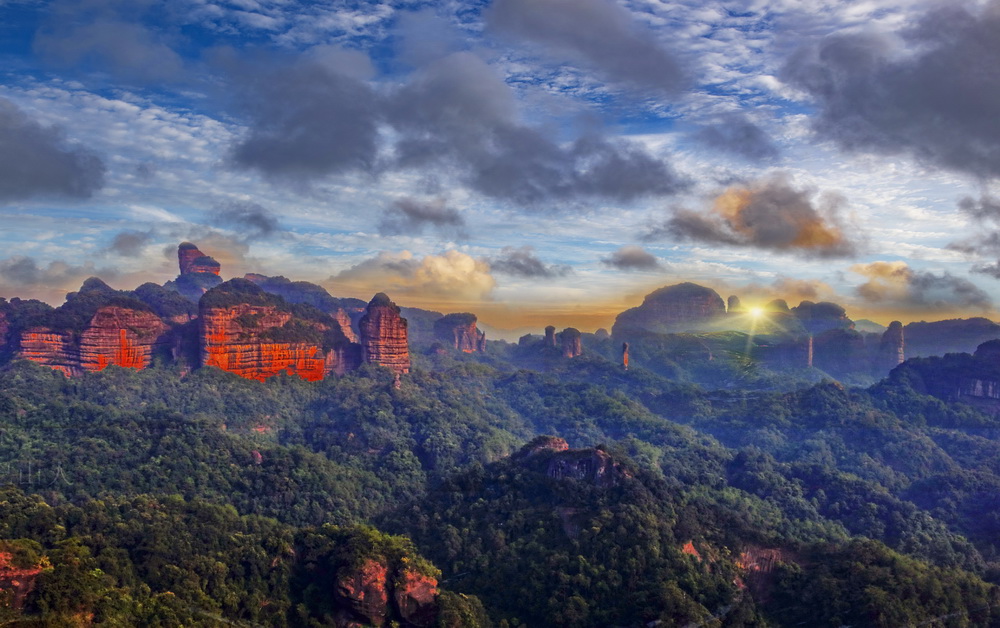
(413, 216)
(736, 134)
(455, 116)
(130, 243)
(632, 258)
(248, 219)
(36, 160)
(458, 114)
(896, 284)
(770, 214)
(307, 119)
(986, 212)
(522, 262)
(598, 32)
(940, 102)
(108, 35)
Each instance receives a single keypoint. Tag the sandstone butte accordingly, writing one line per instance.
(383, 334)
(234, 340)
(192, 260)
(115, 335)
(460, 331)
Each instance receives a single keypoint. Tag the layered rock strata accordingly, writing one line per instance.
(383, 335)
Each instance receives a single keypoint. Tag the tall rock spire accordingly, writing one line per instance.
(383, 335)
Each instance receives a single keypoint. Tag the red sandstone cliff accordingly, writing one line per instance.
(115, 335)
(678, 308)
(383, 335)
(571, 341)
(245, 339)
(192, 260)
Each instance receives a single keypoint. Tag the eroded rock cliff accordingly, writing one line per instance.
(383, 335)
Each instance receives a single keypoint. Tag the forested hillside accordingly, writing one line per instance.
(179, 498)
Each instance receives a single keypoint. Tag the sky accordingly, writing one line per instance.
(533, 161)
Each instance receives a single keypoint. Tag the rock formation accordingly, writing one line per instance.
(97, 327)
(16, 582)
(552, 456)
(733, 305)
(245, 331)
(460, 331)
(191, 260)
(314, 295)
(198, 272)
(571, 341)
(817, 318)
(678, 308)
(383, 335)
(891, 350)
(550, 336)
(625, 355)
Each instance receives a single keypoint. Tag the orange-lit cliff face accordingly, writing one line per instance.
(114, 336)
(121, 337)
(231, 340)
(384, 339)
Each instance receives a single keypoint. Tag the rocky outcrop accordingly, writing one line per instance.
(550, 336)
(121, 337)
(383, 335)
(948, 336)
(593, 466)
(733, 304)
(314, 295)
(199, 273)
(54, 349)
(678, 308)
(115, 335)
(571, 341)
(892, 348)
(460, 331)
(191, 260)
(245, 331)
(365, 592)
(625, 355)
(817, 318)
(16, 582)
(840, 351)
(415, 596)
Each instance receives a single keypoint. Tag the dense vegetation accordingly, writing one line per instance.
(161, 498)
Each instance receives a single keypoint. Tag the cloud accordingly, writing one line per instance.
(36, 160)
(771, 215)
(458, 115)
(737, 134)
(456, 118)
(24, 277)
(632, 257)
(453, 276)
(247, 218)
(938, 100)
(130, 243)
(107, 35)
(986, 212)
(412, 216)
(599, 33)
(308, 118)
(522, 262)
(896, 284)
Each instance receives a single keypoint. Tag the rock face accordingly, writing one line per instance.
(366, 592)
(593, 466)
(245, 331)
(625, 355)
(16, 582)
(460, 331)
(115, 335)
(383, 335)
(550, 336)
(121, 337)
(314, 295)
(733, 304)
(198, 272)
(678, 308)
(415, 596)
(571, 341)
(892, 348)
(191, 260)
(817, 318)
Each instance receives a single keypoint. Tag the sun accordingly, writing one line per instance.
(756, 312)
